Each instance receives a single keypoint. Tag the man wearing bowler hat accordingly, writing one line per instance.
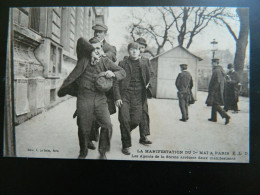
(184, 84)
(144, 125)
(215, 97)
(232, 87)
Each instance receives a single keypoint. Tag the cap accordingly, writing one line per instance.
(94, 40)
(141, 41)
(133, 45)
(229, 66)
(103, 84)
(215, 60)
(183, 65)
(101, 27)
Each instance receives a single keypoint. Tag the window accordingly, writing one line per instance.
(53, 60)
(35, 19)
(52, 95)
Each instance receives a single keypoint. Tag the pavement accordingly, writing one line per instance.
(53, 134)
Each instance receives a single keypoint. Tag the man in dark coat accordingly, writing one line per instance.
(184, 84)
(100, 31)
(232, 88)
(91, 102)
(130, 95)
(144, 125)
(216, 92)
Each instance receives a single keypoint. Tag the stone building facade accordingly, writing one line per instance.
(44, 42)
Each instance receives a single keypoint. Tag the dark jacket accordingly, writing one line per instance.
(184, 82)
(216, 87)
(109, 50)
(121, 87)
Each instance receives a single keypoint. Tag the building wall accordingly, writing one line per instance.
(168, 70)
(45, 53)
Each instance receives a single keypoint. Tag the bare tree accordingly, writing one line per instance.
(241, 39)
(181, 22)
(192, 21)
(160, 33)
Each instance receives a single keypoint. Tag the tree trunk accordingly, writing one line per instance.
(242, 41)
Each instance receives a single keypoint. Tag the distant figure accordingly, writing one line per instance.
(232, 87)
(184, 84)
(216, 92)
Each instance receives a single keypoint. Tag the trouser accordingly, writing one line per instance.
(183, 104)
(144, 125)
(215, 109)
(130, 116)
(93, 106)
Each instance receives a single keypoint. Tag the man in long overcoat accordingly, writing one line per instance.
(184, 84)
(232, 88)
(91, 102)
(130, 95)
(216, 92)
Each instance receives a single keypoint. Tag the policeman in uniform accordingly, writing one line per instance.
(184, 84)
(91, 102)
(130, 95)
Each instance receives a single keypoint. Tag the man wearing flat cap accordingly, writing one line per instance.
(91, 99)
(215, 97)
(100, 31)
(184, 84)
(232, 87)
(130, 95)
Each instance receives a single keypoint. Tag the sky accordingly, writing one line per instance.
(118, 20)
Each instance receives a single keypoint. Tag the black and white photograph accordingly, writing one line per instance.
(128, 83)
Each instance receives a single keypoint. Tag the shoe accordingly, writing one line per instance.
(145, 142)
(183, 120)
(126, 151)
(91, 146)
(102, 156)
(235, 112)
(82, 155)
(212, 120)
(227, 120)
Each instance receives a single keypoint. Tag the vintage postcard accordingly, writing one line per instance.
(128, 83)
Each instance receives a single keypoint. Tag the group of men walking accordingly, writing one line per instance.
(99, 84)
(223, 91)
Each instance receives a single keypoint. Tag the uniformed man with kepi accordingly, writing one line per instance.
(184, 84)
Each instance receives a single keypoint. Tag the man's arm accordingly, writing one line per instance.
(117, 70)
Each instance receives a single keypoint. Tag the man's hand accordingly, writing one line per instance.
(119, 103)
(109, 74)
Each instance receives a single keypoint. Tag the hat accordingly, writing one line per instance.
(229, 66)
(101, 27)
(141, 41)
(103, 84)
(215, 60)
(183, 65)
(133, 45)
(94, 40)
